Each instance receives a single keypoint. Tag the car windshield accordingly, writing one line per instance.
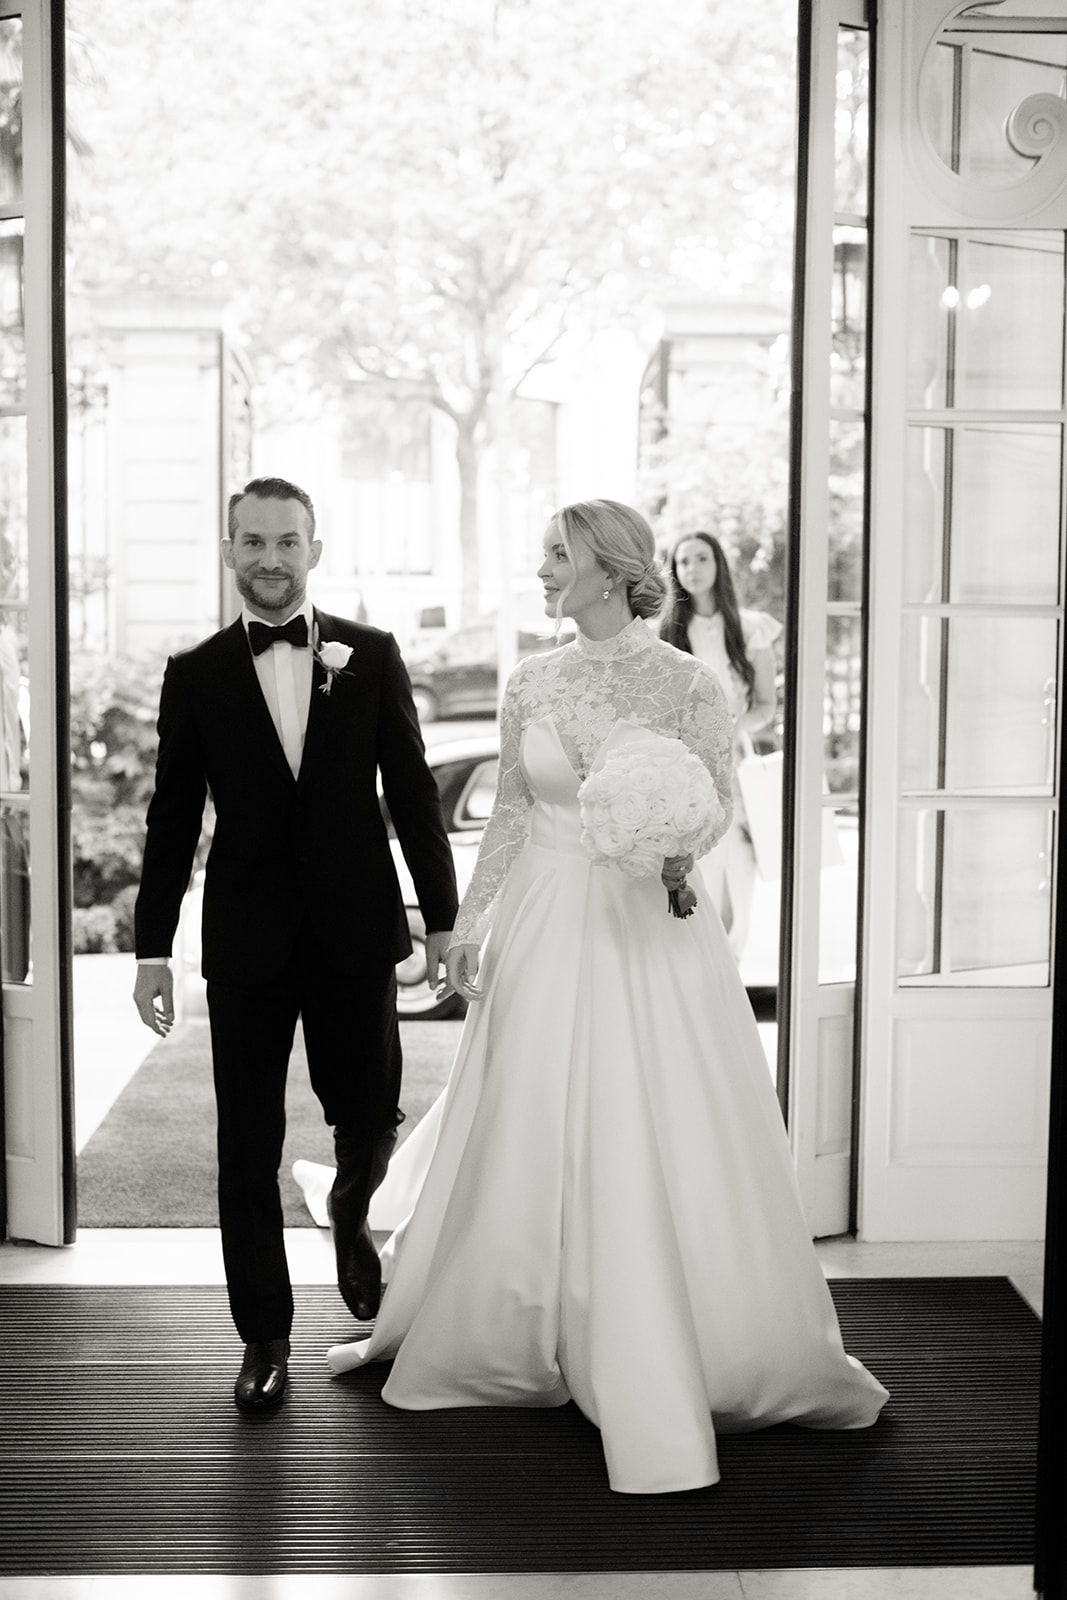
(470, 780)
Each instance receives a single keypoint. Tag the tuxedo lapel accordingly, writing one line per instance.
(320, 712)
(317, 732)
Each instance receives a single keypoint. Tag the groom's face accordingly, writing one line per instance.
(271, 555)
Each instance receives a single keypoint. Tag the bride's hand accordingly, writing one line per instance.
(461, 969)
(676, 870)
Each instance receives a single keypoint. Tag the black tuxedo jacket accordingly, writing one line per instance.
(284, 847)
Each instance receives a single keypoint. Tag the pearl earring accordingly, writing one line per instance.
(607, 594)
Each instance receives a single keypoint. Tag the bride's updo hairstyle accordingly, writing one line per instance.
(621, 541)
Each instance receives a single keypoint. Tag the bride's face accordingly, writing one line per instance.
(572, 588)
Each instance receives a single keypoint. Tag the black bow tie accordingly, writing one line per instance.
(261, 635)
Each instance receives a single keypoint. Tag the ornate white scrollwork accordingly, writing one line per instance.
(1036, 129)
(1037, 125)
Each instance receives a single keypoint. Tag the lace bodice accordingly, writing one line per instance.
(585, 688)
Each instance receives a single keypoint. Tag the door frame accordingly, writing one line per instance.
(38, 1034)
(818, 1021)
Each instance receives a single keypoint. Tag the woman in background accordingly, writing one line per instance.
(703, 617)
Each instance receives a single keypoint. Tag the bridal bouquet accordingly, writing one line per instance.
(651, 799)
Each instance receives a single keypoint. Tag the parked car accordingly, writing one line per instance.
(465, 770)
(457, 675)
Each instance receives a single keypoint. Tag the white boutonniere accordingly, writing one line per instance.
(332, 656)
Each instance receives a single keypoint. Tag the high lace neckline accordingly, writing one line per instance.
(628, 641)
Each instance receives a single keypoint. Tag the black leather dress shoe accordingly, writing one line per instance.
(359, 1275)
(263, 1375)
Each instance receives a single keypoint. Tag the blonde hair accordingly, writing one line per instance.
(619, 538)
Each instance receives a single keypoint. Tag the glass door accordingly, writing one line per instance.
(980, 612)
(965, 658)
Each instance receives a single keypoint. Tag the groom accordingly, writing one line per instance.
(286, 717)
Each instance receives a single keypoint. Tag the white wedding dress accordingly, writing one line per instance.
(602, 1201)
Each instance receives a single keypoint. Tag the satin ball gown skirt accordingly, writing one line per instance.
(601, 1206)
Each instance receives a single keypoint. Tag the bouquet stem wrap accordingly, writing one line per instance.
(650, 799)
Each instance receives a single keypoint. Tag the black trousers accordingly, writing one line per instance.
(354, 1062)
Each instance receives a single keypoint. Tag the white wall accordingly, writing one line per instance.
(162, 367)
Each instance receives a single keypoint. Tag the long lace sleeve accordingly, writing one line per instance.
(505, 832)
(706, 727)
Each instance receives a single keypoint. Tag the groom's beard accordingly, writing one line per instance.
(269, 597)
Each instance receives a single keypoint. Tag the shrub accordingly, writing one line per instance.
(113, 704)
(94, 931)
(122, 910)
(106, 848)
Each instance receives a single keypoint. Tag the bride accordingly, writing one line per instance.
(601, 1206)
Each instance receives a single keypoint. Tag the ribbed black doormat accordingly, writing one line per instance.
(121, 1451)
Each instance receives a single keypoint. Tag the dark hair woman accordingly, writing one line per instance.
(704, 618)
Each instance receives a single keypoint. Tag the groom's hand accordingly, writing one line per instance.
(153, 995)
(436, 945)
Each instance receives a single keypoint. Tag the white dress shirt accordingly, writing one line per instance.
(284, 675)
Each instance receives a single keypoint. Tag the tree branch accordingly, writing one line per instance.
(514, 387)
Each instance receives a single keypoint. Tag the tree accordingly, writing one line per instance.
(426, 198)
(730, 479)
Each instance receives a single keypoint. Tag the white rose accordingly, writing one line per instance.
(612, 841)
(334, 655)
(661, 808)
(642, 863)
(644, 780)
(658, 843)
(594, 791)
(629, 810)
(698, 815)
(690, 808)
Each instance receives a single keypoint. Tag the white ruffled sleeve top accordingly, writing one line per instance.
(759, 630)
